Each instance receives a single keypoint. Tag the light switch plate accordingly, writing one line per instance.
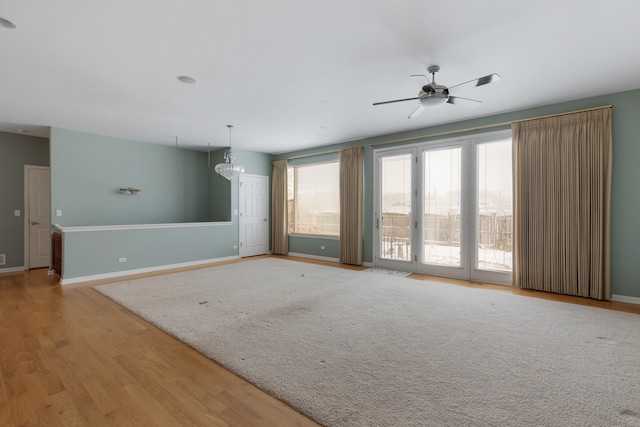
(16, 212)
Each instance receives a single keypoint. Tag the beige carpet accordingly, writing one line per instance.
(358, 349)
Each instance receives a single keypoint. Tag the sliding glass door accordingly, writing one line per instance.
(444, 208)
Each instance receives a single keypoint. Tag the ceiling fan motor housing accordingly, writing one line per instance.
(433, 95)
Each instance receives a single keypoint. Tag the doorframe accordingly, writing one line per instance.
(25, 212)
(487, 276)
(377, 217)
(470, 199)
(462, 272)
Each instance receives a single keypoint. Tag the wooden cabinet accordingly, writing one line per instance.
(56, 253)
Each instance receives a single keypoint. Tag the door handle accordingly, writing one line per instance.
(35, 223)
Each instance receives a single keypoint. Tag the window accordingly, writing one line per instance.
(314, 199)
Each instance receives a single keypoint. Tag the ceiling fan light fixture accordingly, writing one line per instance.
(433, 101)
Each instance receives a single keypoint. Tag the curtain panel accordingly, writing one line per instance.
(279, 210)
(351, 187)
(562, 192)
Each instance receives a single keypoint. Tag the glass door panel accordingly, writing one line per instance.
(493, 211)
(442, 206)
(394, 221)
(443, 217)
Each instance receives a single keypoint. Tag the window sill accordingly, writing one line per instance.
(314, 236)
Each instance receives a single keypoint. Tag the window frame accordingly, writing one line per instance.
(293, 211)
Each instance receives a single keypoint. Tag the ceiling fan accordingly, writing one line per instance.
(433, 95)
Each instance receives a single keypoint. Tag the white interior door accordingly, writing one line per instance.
(254, 215)
(38, 216)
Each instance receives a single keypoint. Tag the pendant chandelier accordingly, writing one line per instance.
(229, 169)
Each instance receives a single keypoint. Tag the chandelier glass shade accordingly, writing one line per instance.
(229, 169)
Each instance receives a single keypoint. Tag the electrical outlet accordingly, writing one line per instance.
(16, 212)
(322, 248)
(235, 246)
(58, 212)
(122, 259)
(3, 259)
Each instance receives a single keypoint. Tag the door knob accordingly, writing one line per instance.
(35, 223)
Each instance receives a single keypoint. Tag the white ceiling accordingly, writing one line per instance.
(282, 71)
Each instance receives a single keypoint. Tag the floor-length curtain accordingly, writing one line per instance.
(562, 182)
(351, 184)
(279, 211)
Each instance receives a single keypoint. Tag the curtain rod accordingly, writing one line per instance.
(493, 125)
(318, 154)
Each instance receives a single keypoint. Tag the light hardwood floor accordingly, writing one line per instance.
(71, 357)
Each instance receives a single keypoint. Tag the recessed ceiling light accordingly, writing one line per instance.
(187, 80)
(5, 23)
(323, 128)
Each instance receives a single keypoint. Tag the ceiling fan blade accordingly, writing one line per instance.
(466, 102)
(395, 100)
(416, 112)
(477, 82)
(420, 79)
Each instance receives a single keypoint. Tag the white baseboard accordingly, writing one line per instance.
(144, 270)
(623, 298)
(321, 258)
(11, 269)
(324, 258)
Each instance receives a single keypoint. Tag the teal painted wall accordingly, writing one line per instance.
(625, 232)
(97, 252)
(219, 191)
(87, 170)
(16, 151)
(85, 183)
(313, 246)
